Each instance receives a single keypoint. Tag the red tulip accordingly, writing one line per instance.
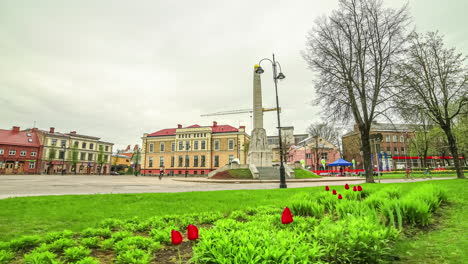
(354, 188)
(334, 192)
(192, 232)
(346, 186)
(327, 188)
(359, 188)
(176, 237)
(286, 217)
(340, 197)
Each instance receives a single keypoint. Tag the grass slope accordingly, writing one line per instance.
(304, 174)
(233, 174)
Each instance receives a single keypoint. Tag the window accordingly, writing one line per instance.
(216, 145)
(181, 159)
(53, 142)
(187, 161)
(195, 161)
(402, 139)
(2, 151)
(28, 134)
(77, 143)
(403, 150)
(83, 145)
(181, 145)
(63, 142)
(90, 156)
(231, 157)
(308, 156)
(195, 145)
(202, 161)
(395, 139)
(106, 158)
(389, 150)
(172, 161)
(32, 164)
(395, 151)
(387, 138)
(91, 146)
(62, 155)
(187, 145)
(161, 147)
(173, 146)
(216, 161)
(12, 152)
(107, 148)
(203, 144)
(151, 147)
(324, 156)
(23, 153)
(83, 156)
(150, 162)
(231, 144)
(161, 161)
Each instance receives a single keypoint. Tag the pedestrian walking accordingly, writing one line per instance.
(427, 173)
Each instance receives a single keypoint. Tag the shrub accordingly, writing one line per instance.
(96, 232)
(52, 236)
(90, 242)
(6, 256)
(76, 253)
(41, 258)
(25, 243)
(134, 256)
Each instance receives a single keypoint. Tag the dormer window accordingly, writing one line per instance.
(29, 139)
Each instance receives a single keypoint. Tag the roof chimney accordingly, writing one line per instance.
(242, 127)
(215, 123)
(179, 126)
(16, 129)
(73, 132)
(52, 130)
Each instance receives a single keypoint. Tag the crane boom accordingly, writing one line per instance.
(239, 111)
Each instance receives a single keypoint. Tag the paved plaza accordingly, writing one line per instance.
(37, 185)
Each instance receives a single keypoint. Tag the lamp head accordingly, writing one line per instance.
(259, 70)
(280, 76)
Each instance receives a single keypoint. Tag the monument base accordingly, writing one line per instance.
(260, 153)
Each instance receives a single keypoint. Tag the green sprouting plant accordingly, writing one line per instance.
(6, 256)
(41, 258)
(52, 236)
(392, 213)
(117, 236)
(61, 244)
(135, 242)
(208, 218)
(25, 243)
(415, 211)
(96, 232)
(393, 192)
(107, 244)
(88, 260)
(308, 208)
(4, 245)
(134, 256)
(90, 242)
(76, 253)
(111, 223)
(345, 208)
(238, 215)
(162, 234)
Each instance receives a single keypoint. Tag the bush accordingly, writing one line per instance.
(134, 256)
(6, 256)
(76, 253)
(41, 258)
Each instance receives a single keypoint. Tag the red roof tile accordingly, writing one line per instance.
(164, 132)
(194, 126)
(223, 129)
(8, 137)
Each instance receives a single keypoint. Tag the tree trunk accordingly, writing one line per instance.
(366, 150)
(453, 148)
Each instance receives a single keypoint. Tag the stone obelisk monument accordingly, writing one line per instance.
(260, 153)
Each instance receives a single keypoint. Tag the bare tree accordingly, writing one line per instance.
(354, 51)
(435, 81)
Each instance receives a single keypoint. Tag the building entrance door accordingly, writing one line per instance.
(9, 166)
(20, 168)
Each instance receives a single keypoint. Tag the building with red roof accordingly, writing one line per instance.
(20, 151)
(194, 149)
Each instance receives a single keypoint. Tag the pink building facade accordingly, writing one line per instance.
(312, 151)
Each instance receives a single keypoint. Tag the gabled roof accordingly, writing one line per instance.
(164, 132)
(223, 129)
(214, 129)
(21, 138)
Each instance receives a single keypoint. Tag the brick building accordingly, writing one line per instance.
(195, 149)
(20, 151)
(392, 151)
(312, 150)
(289, 138)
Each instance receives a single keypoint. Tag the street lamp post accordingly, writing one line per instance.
(63, 158)
(276, 76)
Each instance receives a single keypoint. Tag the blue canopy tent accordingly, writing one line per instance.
(340, 162)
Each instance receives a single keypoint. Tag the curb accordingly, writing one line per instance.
(235, 181)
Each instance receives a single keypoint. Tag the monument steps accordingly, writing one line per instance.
(268, 173)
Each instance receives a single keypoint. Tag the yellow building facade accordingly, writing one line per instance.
(193, 150)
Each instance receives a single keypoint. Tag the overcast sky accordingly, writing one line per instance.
(118, 69)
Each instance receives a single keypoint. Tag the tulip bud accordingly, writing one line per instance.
(359, 188)
(176, 237)
(346, 186)
(327, 188)
(286, 217)
(340, 197)
(334, 192)
(192, 232)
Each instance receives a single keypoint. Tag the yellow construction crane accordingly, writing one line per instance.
(240, 111)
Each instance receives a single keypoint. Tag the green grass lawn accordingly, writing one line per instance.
(304, 174)
(441, 242)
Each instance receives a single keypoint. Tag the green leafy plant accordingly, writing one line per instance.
(134, 242)
(61, 244)
(52, 236)
(88, 260)
(96, 232)
(6, 256)
(76, 253)
(134, 256)
(90, 242)
(41, 258)
(25, 242)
